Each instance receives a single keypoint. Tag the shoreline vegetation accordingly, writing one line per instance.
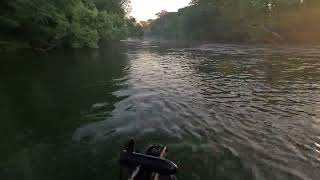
(42, 25)
(245, 21)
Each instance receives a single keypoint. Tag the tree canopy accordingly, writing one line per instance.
(242, 21)
(44, 24)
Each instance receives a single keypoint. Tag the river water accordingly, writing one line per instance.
(224, 111)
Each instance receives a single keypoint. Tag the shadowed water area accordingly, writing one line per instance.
(224, 111)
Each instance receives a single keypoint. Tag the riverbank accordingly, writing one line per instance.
(168, 42)
(7, 46)
(10, 46)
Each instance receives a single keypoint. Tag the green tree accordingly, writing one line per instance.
(243, 21)
(134, 28)
(45, 24)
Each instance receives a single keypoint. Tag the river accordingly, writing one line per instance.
(224, 111)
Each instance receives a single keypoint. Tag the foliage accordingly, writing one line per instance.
(45, 24)
(134, 29)
(242, 21)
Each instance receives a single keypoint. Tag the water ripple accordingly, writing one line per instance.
(260, 103)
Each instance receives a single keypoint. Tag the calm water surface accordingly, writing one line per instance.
(225, 111)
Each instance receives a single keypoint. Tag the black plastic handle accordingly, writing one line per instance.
(148, 163)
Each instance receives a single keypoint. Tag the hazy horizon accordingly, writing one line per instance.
(146, 9)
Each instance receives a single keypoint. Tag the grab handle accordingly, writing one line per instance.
(148, 163)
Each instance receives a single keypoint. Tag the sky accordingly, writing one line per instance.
(146, 9)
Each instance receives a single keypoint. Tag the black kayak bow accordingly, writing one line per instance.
(149, 166)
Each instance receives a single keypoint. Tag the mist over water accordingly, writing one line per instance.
(225, 111)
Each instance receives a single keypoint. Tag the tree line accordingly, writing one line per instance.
(46, 24)
(263, 21)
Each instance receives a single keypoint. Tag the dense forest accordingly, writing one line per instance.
(262, 21)
(46, 24)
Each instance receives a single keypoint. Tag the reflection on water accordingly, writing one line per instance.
(44, 98)
(225, 111)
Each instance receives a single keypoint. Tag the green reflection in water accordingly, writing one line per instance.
(42, 101)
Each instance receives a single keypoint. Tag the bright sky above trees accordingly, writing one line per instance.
(146, 9)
